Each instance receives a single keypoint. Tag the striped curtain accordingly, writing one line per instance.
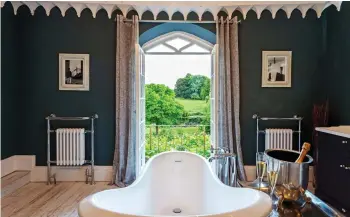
(124, 163)
(229, 128)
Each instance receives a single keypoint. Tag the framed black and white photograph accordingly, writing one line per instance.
(74, 71)
(276, 69)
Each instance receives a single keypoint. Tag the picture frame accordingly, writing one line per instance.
(276, 69)
(74, 72)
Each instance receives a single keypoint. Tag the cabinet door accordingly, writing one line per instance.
(328, 164)
(345, 195)
(332, 177)
(344, 176)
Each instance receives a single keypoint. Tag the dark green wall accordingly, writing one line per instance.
(10, 84)
(41, 38)
(338, 77)
(301, 36)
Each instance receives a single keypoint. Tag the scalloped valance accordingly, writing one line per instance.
(170, 7)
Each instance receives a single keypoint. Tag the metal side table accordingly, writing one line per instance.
(317, 208)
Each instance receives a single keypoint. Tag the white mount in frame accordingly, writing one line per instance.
(276, 69)
(74, 71)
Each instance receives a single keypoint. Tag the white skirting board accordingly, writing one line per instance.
(7, 166)
(17, 162)
(102, 173)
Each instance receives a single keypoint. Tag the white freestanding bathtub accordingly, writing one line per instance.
(177, 181)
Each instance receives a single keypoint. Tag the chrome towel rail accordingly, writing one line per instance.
(53, 117)
(258, 131)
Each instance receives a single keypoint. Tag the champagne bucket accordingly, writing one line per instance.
(293, 177)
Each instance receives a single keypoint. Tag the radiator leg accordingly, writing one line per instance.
(92, 151)
(48, 173)
(92, 174)
(50, 176)
(54, 178)
(48, 153)
(86, 175)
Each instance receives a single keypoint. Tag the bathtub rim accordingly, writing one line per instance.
(265, 200)
(262, 205)
(139, 178)
(149, 162)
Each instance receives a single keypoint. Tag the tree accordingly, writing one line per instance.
(161, 107)
(182, 87)
(196, 84)
(190, 87)
(206, 117)
(205, 90)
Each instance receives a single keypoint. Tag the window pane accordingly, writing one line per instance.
(195, 48)
(178, 43)
(161, 48)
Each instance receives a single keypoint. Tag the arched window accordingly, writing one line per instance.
(175, 43)
(161, 60)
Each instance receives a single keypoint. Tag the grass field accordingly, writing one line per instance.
(192, 105)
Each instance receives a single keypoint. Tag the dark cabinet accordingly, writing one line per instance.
(333, 171)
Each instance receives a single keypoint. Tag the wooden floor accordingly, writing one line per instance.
(10, 178)
(41, 200)
(13, 181)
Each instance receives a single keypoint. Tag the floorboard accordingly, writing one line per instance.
(14, 181)
(12, 177)
(41, 200)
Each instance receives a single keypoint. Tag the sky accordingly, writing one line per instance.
(166, 69)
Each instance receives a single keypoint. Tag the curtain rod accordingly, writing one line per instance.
(177, 21)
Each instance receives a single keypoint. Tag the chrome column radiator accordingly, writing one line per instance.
(279, 139)
(70, 146)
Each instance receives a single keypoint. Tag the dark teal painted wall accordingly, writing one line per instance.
(41, 38)
(10, 84)
(338, 74)
(301, 36)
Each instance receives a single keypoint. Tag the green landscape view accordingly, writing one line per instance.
(178, 119)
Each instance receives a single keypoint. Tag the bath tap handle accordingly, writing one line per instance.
(224, 149)
(342, 165)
